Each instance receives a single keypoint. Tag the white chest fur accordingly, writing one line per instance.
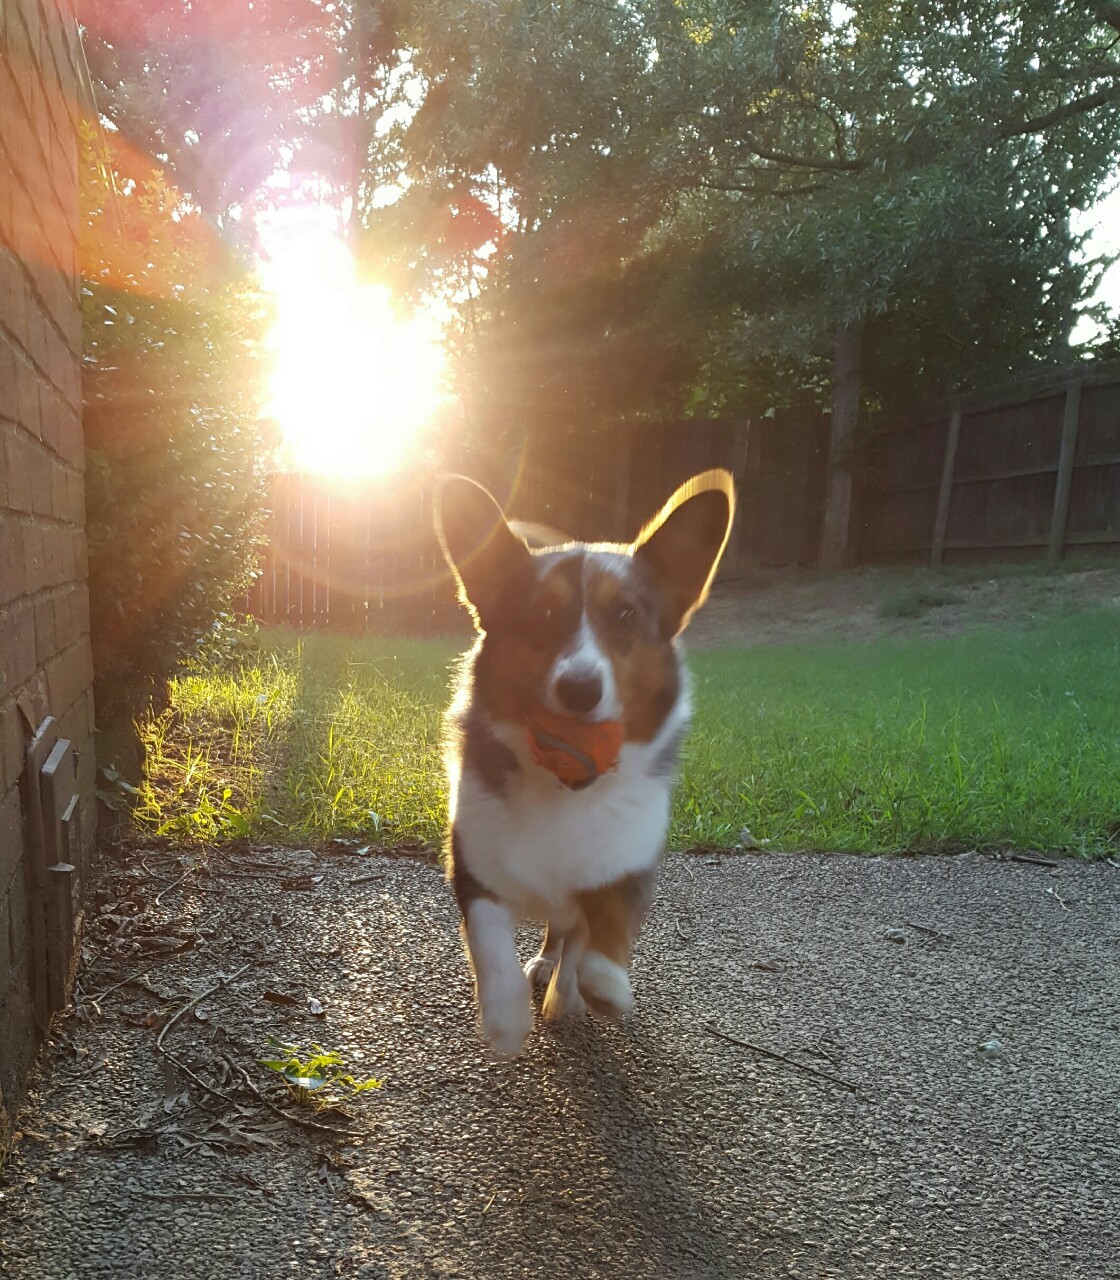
(536, 843)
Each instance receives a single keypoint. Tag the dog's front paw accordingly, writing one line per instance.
(507, 1018)
(605, 986)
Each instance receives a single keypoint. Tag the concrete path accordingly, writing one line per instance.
(657, 1149)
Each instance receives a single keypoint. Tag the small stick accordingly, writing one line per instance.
(781, 1057)
(681, 933)
(924, 928)
(1032, 860)
(365, 879)
(168, 887)
(140, 973)
(229, 977)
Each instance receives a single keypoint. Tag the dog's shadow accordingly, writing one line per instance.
(604, 1097)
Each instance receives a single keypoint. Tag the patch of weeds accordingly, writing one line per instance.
(319, 1079)
(915, 601)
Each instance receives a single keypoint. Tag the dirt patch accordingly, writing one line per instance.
(802, 606)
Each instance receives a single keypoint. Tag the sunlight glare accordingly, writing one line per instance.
(351, 384)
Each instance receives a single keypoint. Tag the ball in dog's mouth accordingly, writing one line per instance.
(575, 751)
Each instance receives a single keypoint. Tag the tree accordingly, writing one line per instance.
(223, 96)
(879, 193)
(174, 487)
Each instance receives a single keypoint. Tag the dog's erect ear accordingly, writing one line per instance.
(682, 544)
(478, 544)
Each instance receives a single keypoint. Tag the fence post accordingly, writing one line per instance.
(1071, 415)
(945, 493)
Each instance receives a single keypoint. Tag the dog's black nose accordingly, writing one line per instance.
(580, 693)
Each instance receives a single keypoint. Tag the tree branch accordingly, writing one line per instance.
(1075, 107)
(754, 189)
(821, 163)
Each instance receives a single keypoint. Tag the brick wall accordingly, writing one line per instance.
(44, 604)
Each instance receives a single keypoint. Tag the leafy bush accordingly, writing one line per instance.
(174, 480)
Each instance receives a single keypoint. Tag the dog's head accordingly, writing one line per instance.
(583, 630)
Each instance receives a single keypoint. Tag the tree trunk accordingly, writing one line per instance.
(847, 367)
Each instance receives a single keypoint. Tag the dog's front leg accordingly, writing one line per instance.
(501, 987)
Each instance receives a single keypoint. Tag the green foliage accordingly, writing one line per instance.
(694, 197)
(314, 738)
(319, 1079)
(223, 96)
(174, 482)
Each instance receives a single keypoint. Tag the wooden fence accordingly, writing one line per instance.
(1025, 473)
(362, 556)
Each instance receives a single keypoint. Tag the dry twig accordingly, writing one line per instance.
(780, 1057)
(924, 928)
(223, 980)
(1031, 859)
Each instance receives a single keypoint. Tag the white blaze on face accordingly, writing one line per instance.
(585, 659)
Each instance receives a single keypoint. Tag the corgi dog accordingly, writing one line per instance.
(563, 739)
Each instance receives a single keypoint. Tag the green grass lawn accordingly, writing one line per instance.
(991, 738)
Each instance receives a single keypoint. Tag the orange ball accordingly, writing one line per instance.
(576, 751)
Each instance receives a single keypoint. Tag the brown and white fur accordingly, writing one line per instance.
(578, 629)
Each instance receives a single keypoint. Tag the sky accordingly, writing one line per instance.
(1105, 220)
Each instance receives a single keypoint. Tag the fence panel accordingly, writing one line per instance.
(1003, 495)
(363, 556)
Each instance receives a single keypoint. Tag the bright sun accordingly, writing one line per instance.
(351, 384)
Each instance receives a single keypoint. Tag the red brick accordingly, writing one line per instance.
(42, 482)
(18, 140)
(11, 837)
(68, 677)
(54, 564)
(33, 556)
(46, 628)
(60, 506)
(52, 417)
(17, 646)
(13, 568)
(7, 974)
(27, 389)
(81, 556)
(66, 374)
(29, 11)
(80, 605)
(77, 499)
(13, 298)
(17, 458)
(19, 53)
(9, 401)
(16, 941)
(12, 743)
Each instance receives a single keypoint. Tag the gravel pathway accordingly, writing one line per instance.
(885, 1144)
